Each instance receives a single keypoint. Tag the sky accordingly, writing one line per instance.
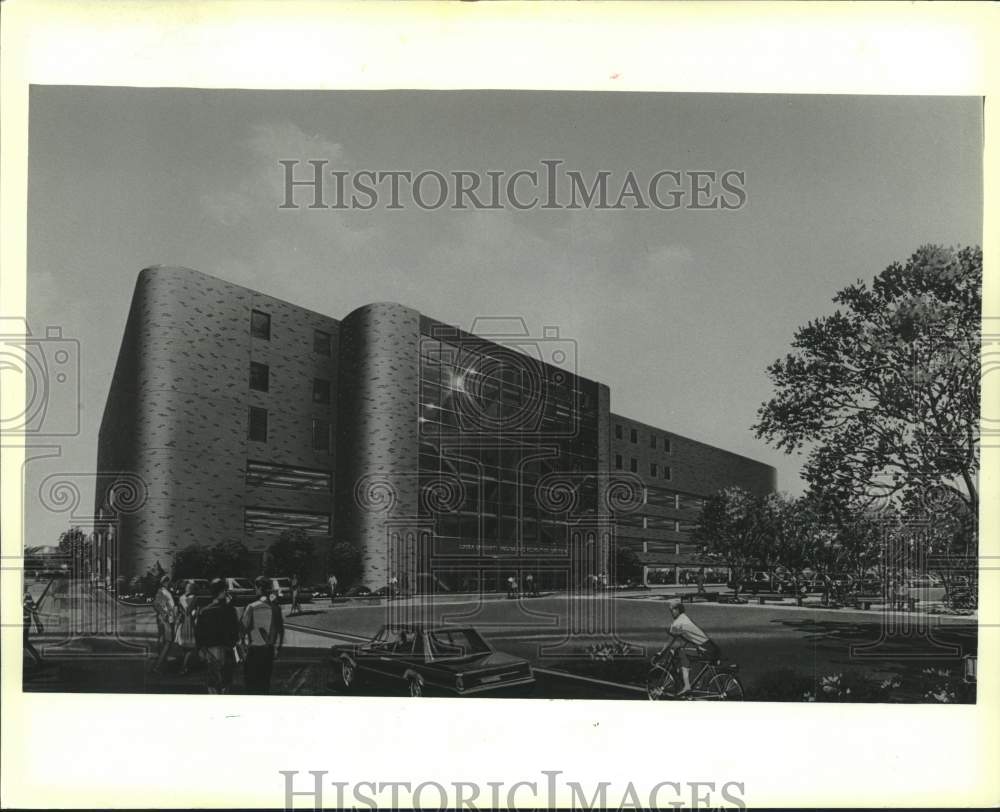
(679, 312)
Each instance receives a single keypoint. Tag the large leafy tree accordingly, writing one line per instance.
(884, 393)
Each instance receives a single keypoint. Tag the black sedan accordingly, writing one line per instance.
(434, 659)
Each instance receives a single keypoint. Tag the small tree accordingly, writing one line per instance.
(191, 562)
(76, 546)
(627, 563)
(734, 525)
(344, 561)
(291, 554)
(225, 559)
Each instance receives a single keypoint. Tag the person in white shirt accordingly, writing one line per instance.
(685, 634)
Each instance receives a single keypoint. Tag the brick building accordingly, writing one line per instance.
(447, 459)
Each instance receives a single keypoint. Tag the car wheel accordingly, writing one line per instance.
(347, 672)
(416, 686)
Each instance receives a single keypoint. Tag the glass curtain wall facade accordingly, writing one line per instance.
(508, 460)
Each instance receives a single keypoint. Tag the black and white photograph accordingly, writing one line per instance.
(380, 395)
(343, 395)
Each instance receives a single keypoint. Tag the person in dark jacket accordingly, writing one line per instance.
(263, 631)
(216, 633)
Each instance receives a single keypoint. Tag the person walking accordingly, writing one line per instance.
(187, 610)
(166, 619)
(216, 632)
(332, 582)
(263, 631)
(529, 586)
(29, 618)
(511, 587)
(295, 609)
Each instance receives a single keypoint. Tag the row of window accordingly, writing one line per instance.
(655, 470)
(260, 327)
(657, 523)
(260, 381)
(654, 441)
(274, 521)
(271, 475)
(322, 430)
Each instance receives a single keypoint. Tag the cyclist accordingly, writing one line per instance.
(686, 634)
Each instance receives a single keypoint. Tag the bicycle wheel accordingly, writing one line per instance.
(660, 684)
(725, 687)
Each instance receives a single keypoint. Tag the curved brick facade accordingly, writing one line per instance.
(377, 431)
(177, 412)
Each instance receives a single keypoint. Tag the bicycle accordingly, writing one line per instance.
(714, 682)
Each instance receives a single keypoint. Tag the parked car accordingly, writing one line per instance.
(242, 590)
(282, 588)
(434, 659)
(202, 590)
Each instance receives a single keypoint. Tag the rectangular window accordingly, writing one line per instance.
(260, 325)
(321, 435)
(652, 469)
(269, 475)
(258, 424)
(272, 521)
(618, 461)
(652, 441)
(321, 391)
(618, 431)
(666, 444)
(321, 343)
(667, 474)
(686, 502)
(634, 465)
(259, 378)
(634, 436)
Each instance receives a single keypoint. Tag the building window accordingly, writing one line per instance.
(260, 325)
(618, 461)
(666, 472)
(321, 342)
(271, 521)
(666, 444)
(634, 436)
(321, 435)
(652, 441)
(634, 465)
(270, 475)
(652, 469)
(618, 431)
(321, 391)
(259, 377)
(258, 424)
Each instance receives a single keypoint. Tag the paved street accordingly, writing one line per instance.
(813, 642)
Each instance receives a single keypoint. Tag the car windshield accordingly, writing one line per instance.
(240, 583)
(453, 643)
(282, 581)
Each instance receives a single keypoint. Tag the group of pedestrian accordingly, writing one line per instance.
(530, 590)
(219, 636)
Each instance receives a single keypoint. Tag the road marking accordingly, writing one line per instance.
(594, 680)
